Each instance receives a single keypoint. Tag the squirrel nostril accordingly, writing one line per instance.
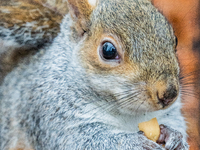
(165, 102)
(169, 95)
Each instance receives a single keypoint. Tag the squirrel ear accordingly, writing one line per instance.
(80, 11)
(93, 3)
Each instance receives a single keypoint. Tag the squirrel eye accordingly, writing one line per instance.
(109, 51)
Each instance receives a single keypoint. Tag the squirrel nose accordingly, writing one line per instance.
(167, 96)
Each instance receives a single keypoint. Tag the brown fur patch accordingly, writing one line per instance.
(58, 6)
(21, 12)
(11, 57)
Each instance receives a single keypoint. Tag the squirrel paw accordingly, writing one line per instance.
(148, 144)
(172, 139)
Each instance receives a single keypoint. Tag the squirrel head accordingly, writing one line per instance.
(127, 49)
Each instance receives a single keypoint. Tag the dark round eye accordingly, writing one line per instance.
(109, 51)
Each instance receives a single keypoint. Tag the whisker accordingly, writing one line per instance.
(133, 94)
(124, 101)
(140, 105)
(130, 101)
(190, 93)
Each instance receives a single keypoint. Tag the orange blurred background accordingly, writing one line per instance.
(184, 15)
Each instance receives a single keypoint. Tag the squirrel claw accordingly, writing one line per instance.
(172, 139)
(140, 132)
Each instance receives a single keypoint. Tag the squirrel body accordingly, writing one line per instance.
(71, 95)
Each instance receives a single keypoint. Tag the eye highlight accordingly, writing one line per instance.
(109, 51)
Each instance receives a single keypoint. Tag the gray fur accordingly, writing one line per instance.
(51, 99)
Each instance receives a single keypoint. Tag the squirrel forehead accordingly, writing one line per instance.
(131, 19)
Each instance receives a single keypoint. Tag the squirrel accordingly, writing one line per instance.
(112, 66)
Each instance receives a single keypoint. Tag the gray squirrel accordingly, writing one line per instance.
(112, 66)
